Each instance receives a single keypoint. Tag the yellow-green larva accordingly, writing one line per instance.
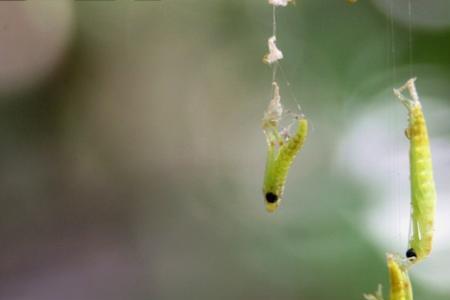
(278, 164)
(282, 150)
(423, 192)
(401, 288)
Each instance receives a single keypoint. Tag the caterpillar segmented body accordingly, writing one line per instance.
(282, 150)
(401, 288)
(278, 165)
(423, 192)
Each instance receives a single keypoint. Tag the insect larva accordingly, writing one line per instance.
(278, 165)
(282, 150)
(423, 192)
(401, 288)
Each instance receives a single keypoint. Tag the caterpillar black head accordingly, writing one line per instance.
(272, 201)
(411, 254)
(271, 197)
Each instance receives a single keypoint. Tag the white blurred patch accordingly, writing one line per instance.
(375, 151)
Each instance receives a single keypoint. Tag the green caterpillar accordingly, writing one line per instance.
(423, 192)
(282, 150)
(401, 288)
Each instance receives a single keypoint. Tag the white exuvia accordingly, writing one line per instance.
(274, 111)
(280, 2)
(274, 54)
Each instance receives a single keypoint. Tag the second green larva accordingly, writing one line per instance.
(401, 288)
(423, 192)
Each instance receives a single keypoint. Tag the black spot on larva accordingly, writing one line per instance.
(411, 253)
(271, 197)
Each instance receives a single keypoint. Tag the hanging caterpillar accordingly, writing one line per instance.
(423, 193)
(282, 150)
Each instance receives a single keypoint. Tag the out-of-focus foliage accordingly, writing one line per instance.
(132, 157)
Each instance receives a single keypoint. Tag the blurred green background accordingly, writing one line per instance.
(132, 157)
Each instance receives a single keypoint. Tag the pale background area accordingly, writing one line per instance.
(131, 154)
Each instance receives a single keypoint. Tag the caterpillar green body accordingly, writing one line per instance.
(278, 164)
(282, 150)
(401, 288)
(423, 192)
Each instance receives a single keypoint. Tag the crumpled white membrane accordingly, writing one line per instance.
(279, 2)
(274, 54)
